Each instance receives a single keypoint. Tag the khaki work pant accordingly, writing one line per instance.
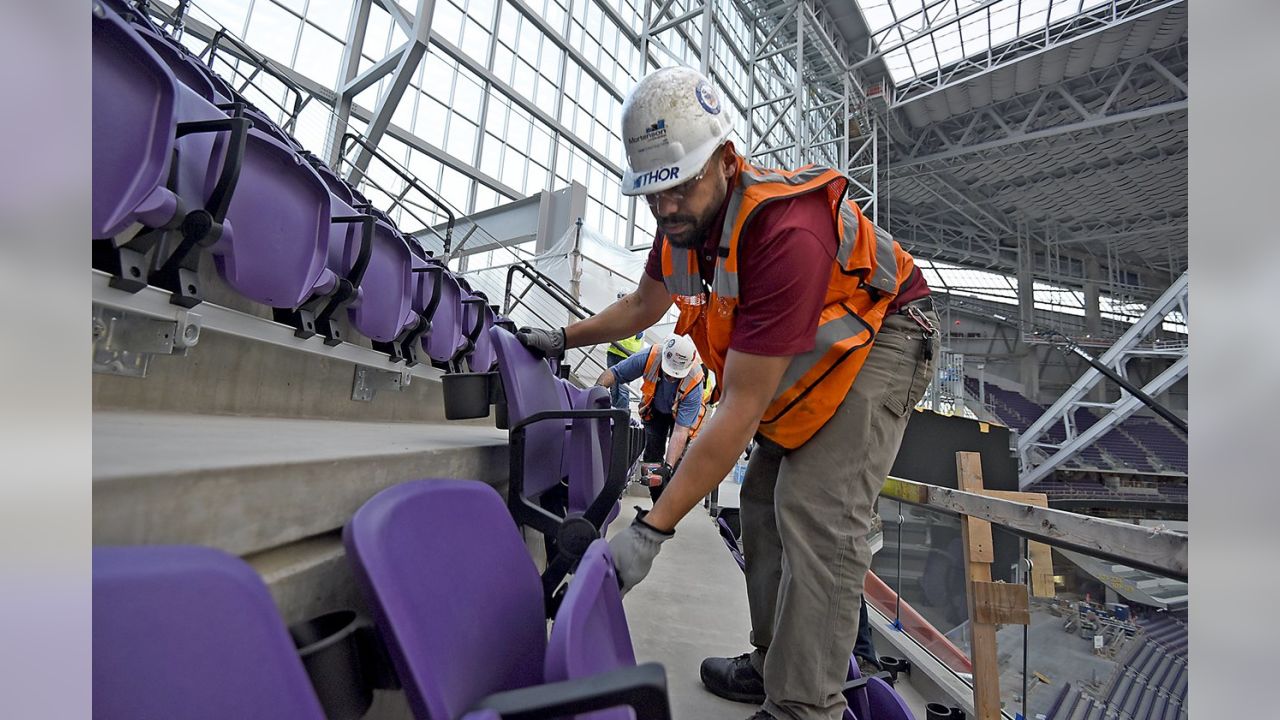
(805, 517)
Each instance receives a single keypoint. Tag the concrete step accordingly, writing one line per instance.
(275, 491)
(247, 484)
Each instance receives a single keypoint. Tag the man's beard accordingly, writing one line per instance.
(695, 238)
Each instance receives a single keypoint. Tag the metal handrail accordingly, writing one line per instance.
(409, 180)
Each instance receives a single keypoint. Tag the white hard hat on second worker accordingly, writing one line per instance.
(678, 356)
(672, 121)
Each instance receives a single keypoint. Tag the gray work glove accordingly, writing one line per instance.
(634, 549)
(547, 343)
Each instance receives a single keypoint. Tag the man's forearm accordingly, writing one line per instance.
(624, 318)
(619, 320)
(675, 448)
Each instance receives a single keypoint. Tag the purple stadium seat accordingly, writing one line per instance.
(538, 463)
(886, 704)
(427, 276)
(134, 122)
(447, 341)
(457, 599)
(384, 300)
(144, 120)
(590, 633)
(190, 632)
(281, 212)
(349, 246)
(478, 318)
(589, 445)
(731, 542)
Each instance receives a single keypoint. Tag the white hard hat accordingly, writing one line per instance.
(672, 121)
(678, 356)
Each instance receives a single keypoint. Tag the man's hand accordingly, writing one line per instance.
(547, 343)
(661, 475)
(634, 549)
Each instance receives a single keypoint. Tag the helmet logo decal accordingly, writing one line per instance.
(656, 131)
(707, 98)
(659, 175)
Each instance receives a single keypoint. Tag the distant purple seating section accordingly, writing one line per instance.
(1166, 444)
(457, 599)
(1140, 443)
(1151, 681)
(190, 632)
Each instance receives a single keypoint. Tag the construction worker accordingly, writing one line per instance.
(821, 333)
(619, 350)
(670, 401)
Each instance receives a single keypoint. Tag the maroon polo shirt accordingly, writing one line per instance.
(783, 266)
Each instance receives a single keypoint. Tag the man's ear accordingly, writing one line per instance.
(728, 159)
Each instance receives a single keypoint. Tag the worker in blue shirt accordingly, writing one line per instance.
(671, 401)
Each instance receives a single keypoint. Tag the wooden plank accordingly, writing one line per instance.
(997, 603)
(982, 635)
(1040, 554)
(1163, 552)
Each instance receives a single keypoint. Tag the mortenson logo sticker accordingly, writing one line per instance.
(656, 176)
(656, 131)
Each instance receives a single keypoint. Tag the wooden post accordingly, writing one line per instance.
(978, 556)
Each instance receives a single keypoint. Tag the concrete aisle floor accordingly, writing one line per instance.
(694, 605)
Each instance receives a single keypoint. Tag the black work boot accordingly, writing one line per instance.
(733, 679)
(762, 715)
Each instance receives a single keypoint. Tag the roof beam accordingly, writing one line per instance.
(1090, 22)
(1023, 137)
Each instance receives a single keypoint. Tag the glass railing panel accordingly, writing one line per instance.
(918, 581)
(1103, 636)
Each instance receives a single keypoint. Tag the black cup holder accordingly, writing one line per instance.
(894, 665)
(938, 711)
(345, 660)
(466, 395)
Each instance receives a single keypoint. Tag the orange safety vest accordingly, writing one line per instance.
(868, 270)
(653, 375)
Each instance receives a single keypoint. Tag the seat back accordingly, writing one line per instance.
(134, 122)
(281, 214)
(386, 292)
(859, 706)
(590, 634)
(531, 388)
(482, 356)
(185, 68)
(446, 339)
(885, 702)
(190, 632)
(588, 451)
(731, 542)
(453, 591)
